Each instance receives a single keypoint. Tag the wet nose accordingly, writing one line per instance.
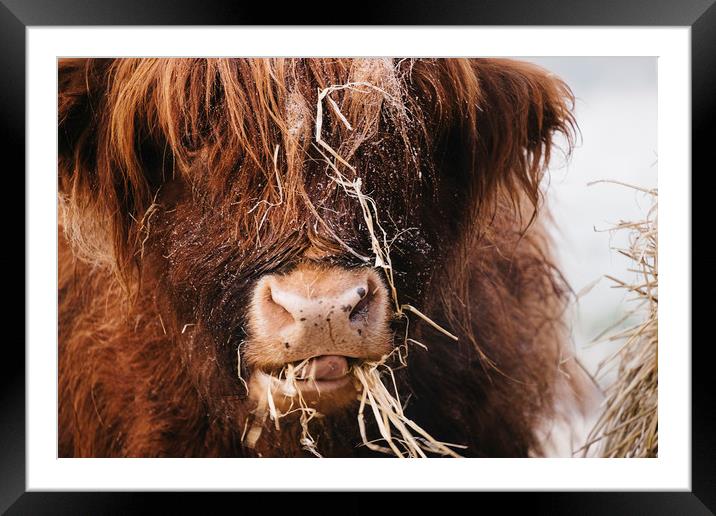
(316, 311)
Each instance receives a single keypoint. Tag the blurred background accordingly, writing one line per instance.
(616, 109)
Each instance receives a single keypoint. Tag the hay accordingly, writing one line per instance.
(400, 436)
(386, 407)
(379, 246)
(387, 410)
(285, 383)
(628, 427)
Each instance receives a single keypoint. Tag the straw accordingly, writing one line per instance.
(628, 426)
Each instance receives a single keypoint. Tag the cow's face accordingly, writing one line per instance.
(256, 278)
(247, 304)
(253, 219)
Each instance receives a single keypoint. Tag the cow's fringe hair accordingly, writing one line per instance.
(126, 125)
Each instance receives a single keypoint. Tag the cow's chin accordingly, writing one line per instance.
(326, 395)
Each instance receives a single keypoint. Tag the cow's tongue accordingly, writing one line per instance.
(327, 367)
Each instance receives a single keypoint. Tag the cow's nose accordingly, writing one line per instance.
(316, 310)
(335, 306)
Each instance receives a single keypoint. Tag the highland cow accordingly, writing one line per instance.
(206, 239)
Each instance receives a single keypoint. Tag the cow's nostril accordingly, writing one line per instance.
(274, 310)
(361, 309)
(282, 309)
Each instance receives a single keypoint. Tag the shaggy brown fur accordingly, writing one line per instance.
(172, 206)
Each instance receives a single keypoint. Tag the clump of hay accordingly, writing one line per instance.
(285, 383)
(628, 427)
(412, 440)
(400, 436)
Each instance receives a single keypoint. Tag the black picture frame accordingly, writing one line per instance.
(17, 15)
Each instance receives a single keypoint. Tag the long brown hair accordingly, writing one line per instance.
(126, 125)
(457, 147)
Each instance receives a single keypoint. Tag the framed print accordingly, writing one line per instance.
(276, 257)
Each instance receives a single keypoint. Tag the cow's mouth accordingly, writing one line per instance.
(323, 382)
(325, 372)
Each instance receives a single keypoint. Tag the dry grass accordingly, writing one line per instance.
(286, 384)
(400, 436)
(378, 236)
(628, 427)
(411, 440)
